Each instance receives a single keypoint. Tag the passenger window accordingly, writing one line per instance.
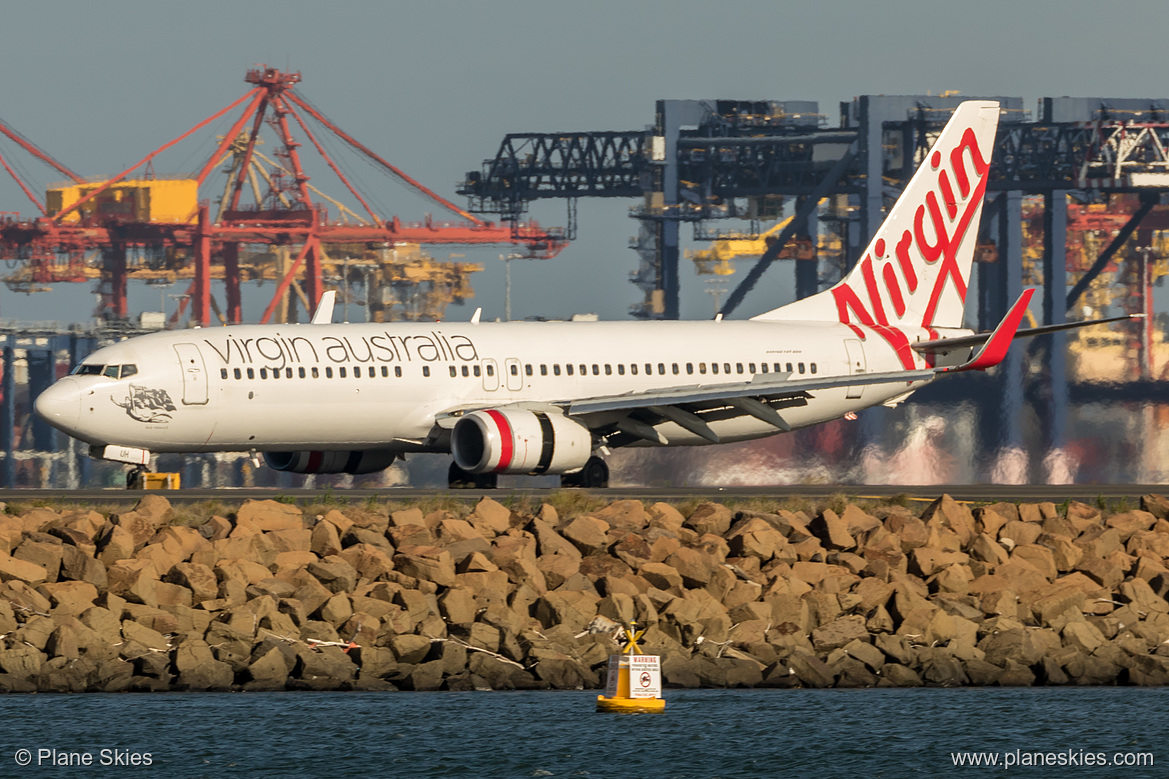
(596, 370)
(789, 367)
(251, 373)
(426, 370)
(726, 367)
(454, 372)
(111, 371)
(801, 368)
(528, 370)
(466, 371)
(263, 373)
(342, 372)
(490, 370)
(328, 373)
(568, 368)
(223, 373)
(556, 369)
(237, 373)
(763, 365)
(813, 366)
(608, 369)
(386, 371)
(633, 369)
(714, 367)
(649, 369)
(398, 371)
(751, 367)
(288, 373)
(738, 367)
(620, 369)
(275, 373)
(661, 369)
(584, 369)
(474, 369)
(130, 370)
(689, 368)
(300, 372)
(702, 367)
(515, 369)
(371, 372)
(543, 369)
(674, 368)
(316, 373)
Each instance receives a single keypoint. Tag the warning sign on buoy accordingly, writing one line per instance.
(635, 680)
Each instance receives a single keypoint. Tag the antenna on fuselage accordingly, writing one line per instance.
(324, 312)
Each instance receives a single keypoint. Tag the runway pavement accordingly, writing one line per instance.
(978, 493)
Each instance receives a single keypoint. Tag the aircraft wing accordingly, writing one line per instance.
(629, 416)
(774, 385)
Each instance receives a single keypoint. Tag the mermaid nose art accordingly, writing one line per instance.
(60, 405)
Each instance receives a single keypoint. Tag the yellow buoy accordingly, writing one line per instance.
(635, 679)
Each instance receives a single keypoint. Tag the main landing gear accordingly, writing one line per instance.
(594, 474)
(458, 479)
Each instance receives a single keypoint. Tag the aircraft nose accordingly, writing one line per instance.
(60, 405)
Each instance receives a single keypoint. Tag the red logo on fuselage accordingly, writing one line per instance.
(942, 249)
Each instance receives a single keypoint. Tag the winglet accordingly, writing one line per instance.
(324, 313)
(475, 317)
(995, 348)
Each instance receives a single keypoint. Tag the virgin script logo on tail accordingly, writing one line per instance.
(933, 250)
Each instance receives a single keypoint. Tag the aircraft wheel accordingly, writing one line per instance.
(458, 479)
(595, 473)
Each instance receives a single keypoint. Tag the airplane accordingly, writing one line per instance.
(558, 397)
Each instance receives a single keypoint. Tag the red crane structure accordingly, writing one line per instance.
(112, 216)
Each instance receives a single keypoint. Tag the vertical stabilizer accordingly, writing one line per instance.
(915, 271)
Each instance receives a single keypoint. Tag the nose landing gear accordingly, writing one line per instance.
(135, 478)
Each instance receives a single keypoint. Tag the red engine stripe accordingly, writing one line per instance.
(314, 462)
(506, 451)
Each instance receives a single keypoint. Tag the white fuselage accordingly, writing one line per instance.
(362, 386)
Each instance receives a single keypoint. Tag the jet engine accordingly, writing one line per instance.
(362, 461)
(517, 441)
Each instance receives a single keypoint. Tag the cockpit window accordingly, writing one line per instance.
(109, 371)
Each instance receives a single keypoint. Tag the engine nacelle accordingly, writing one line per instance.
(363, 461)
(515, 441)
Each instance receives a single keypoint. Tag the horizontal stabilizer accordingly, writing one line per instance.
(946, 344)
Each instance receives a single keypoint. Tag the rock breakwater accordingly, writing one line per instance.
(272, 597)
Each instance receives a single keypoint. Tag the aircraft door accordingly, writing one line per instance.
(490, 375)
(511, 369)
(856, 365)
(194, 375)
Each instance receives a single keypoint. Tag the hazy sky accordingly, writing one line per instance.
(434, 87)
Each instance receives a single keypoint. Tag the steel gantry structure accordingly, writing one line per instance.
(124, 214)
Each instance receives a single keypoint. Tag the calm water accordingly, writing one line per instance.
(707, 734)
